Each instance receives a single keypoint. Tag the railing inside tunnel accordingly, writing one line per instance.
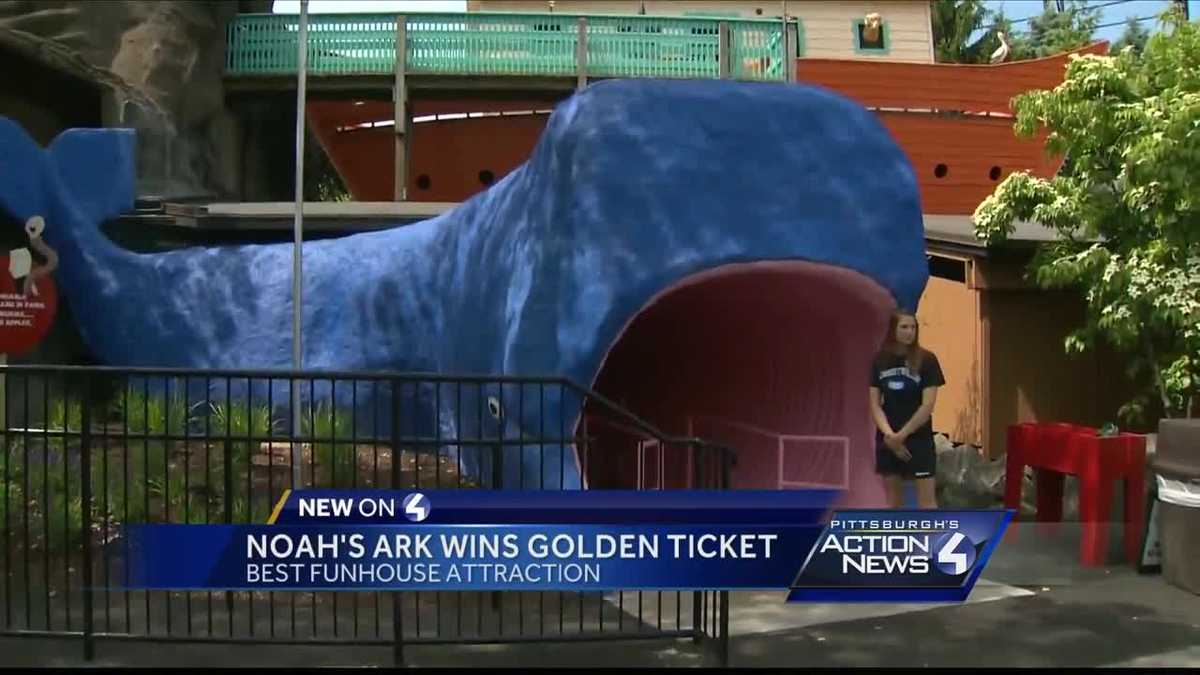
(87, 450)
(773, 460)
(493, 43)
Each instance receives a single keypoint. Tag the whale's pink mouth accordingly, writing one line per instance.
(771, 358)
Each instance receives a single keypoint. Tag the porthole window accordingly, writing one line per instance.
(941, 170)
(486, 177)
(423, 182)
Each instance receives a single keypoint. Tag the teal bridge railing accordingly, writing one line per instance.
(486, 44)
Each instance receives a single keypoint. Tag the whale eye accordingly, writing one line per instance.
(35, 226)
(494, 407)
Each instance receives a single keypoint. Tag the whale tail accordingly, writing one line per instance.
(84, 177)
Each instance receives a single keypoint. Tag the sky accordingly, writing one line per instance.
(1021, 9)
(1014, 9)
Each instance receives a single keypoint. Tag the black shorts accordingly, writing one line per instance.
(923, 463)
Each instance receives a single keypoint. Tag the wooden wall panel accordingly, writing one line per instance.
(976, 152)
(1031, 378)
(969, 148)
(939, 86)
(949, 320)
(826, 23)
(451, 153)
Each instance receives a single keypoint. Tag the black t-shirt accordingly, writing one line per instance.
(901, 390)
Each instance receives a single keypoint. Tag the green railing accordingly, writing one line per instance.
(509, 44)
(490, 44)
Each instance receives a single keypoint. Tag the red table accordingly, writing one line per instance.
(1055, 450)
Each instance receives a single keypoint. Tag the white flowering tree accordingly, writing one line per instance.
(1127, 207)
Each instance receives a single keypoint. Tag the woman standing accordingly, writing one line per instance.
(904, 382)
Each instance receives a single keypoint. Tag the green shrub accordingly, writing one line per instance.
(151, 413)
(334, 457)
(241, 422)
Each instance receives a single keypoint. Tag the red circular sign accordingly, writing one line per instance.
(24, 320)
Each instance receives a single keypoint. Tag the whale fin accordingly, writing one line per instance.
(96, 169)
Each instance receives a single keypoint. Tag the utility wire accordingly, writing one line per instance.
(1087, 7)
(1123, 21)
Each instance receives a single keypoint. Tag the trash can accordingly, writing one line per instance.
(1177, 465)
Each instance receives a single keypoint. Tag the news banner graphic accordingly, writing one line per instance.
(460, 540)
(899, 556)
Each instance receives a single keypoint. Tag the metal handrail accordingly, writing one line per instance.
(267, 374)
(79, 493)
(505, 43)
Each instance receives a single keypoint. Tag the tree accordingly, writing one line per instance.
(1054, 31)
(1135, 36)
(1127, 209)
(954, 22)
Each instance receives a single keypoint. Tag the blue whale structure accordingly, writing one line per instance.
(634, 186)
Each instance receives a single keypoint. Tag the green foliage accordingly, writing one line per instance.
(241, 512)
(966, 31)
(241, 421)
(322, 182)
(331, 431)
(1053, 32)
(65, 416)
(12, 490)
(954, 24)
(153, 413)
(56, 505)
(135, 500)
(65, 524)
(1135, 36)
(172, 490)
(1127, 206)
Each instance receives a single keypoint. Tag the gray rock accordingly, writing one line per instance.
(169, 53)
(966, 479)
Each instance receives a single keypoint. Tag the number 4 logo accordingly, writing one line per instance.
(955, 553)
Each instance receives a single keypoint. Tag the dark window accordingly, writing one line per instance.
(948, 268)
(423, 182)
(487, 177)
(941, 170)
(994, 174)
(877, 43)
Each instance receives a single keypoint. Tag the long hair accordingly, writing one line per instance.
(914, 353)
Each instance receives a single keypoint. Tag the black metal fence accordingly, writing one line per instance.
(87, 450)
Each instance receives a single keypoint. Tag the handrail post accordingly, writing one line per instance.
(397, 410)
(723, 628)
(227, 488)
(85, 498)
(791, 47)
(400, 112)
(581, 53)
(723, 51)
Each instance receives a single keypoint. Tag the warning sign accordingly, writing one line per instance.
(24, 318)
(24, 321)
(28, 296)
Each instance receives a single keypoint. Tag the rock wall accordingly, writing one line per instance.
(169, 53)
